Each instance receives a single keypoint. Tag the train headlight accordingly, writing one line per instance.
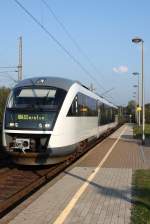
(47, 125)
(11, 124)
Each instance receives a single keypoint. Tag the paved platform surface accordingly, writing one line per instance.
(97, 189)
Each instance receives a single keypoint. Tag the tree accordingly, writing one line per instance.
(4, 91)
(147, 113)
(131, 109)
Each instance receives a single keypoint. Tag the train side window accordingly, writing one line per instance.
(99, 113)
(92, 107)
(80, 104)
(83, 105)
(82, 101)
(102, 111)
(107, 114)
(89, 106)
(114, 113)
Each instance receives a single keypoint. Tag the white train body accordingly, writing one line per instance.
(46, 119)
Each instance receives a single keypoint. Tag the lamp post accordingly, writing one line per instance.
(138, 40)
(139, 101)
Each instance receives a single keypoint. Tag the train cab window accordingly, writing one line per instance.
(33, 107)
(43, 98)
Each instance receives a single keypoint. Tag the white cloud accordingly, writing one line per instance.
(120, 69)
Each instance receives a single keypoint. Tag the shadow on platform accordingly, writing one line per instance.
(113, 192)
(107, 191)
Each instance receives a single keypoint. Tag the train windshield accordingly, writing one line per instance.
(36, 98)
(34, 108)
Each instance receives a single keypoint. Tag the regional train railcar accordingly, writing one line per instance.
(47, 118)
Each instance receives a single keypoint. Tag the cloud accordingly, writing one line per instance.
(120, 69)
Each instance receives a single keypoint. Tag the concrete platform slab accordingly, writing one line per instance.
(107, 198)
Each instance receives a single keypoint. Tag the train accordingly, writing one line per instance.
(47, 118)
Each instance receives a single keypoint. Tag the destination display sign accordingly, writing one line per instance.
(31, 117)
(29, 120)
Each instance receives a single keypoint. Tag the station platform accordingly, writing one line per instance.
(95, 190)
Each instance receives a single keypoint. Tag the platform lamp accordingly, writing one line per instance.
(139, 102)
(138, 40)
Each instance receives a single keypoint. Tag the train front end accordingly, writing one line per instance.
(29, 119)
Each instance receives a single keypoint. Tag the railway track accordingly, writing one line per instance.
(18, 183)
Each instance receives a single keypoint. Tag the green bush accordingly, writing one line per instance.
(137, 131)
(140, 213)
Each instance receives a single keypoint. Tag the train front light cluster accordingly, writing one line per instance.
(47, 125)
(11, 124)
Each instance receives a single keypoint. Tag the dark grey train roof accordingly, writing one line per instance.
(47, 81)
(58, 82)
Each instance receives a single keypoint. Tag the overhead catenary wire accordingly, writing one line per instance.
(5, 74)
(51, 36)
(64, 48)
(8, 67)
(107, 91)
(8, 76)
(8, 71)
(61, 24)
(47, 5)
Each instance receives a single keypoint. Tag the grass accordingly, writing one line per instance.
(140, 213)
(137, 131)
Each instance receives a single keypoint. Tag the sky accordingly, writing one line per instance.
(103, 29)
